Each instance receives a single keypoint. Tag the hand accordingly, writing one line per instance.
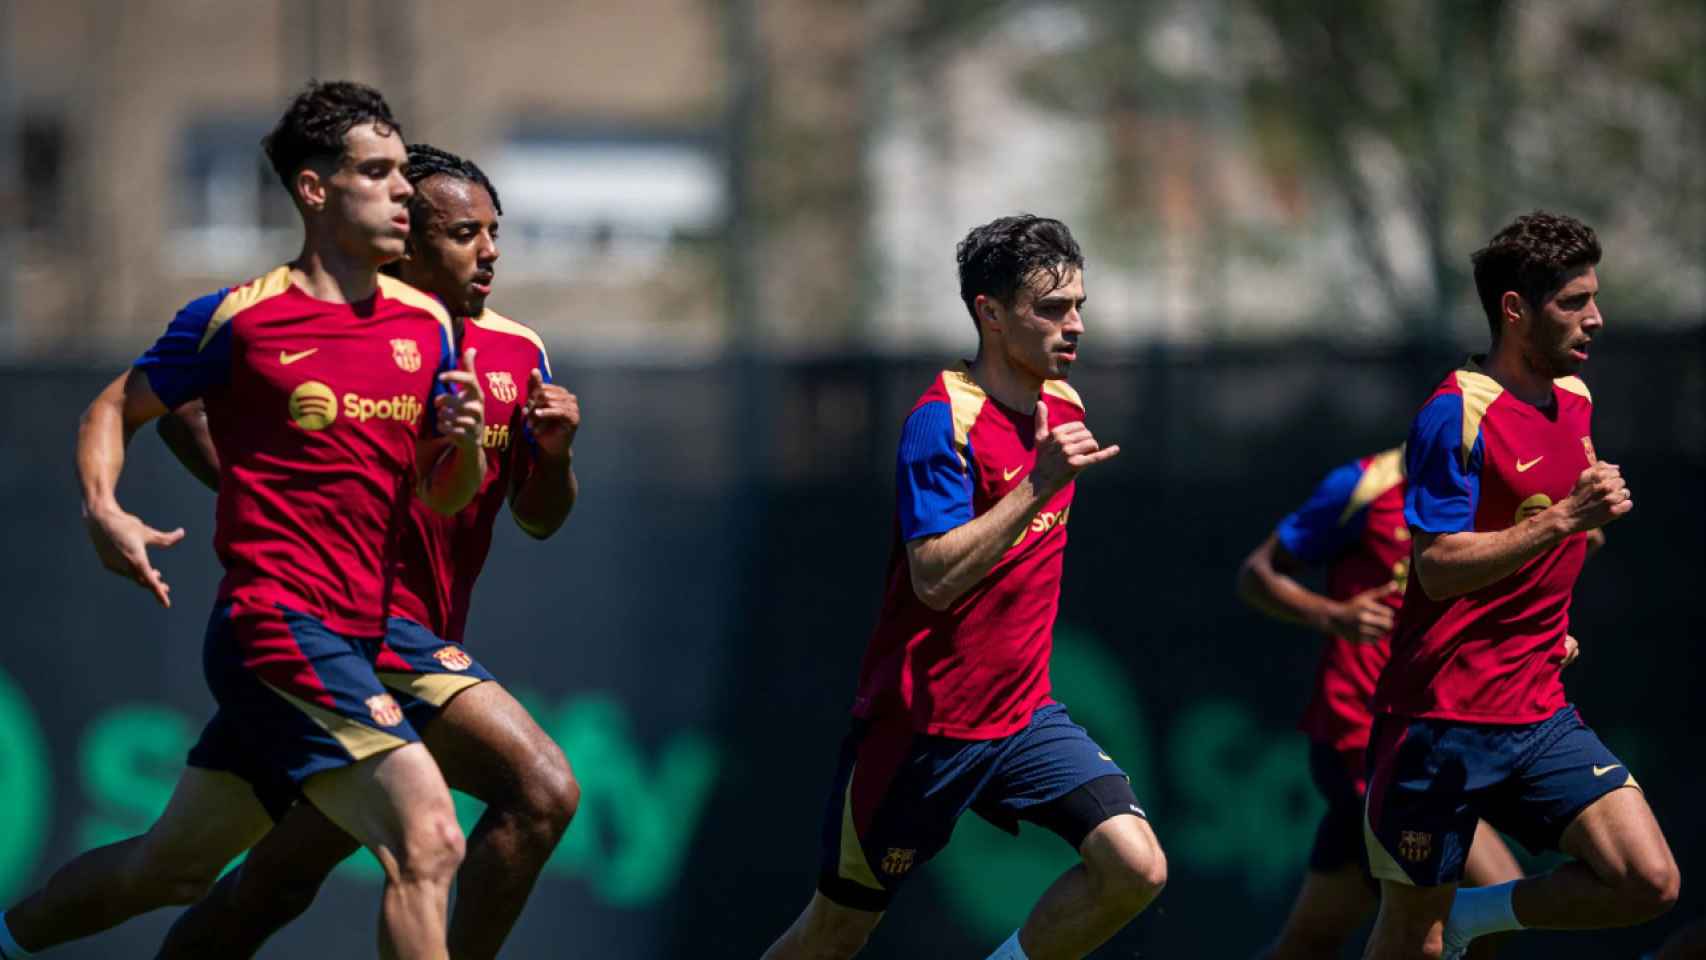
(1600, 496)
(1064, 451)
(1366, 617)
(553, 415)
(1572, 651)
(462, 412)
(122, 540)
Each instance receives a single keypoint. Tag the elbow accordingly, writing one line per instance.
(538, 530)
(932, 594)
(1431, 579)
(1246, 584)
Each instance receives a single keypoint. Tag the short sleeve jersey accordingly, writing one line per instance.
(979, 669)
(315, 409)
(442, 556)
(1354, 525)
(1481, 460)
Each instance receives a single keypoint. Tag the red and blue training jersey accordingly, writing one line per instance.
(1481, 460)
(442, 556)
(1354, 525)
(977, 670)
(315, 409)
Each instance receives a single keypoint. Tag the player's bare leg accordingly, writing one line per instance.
(1329, 908)
(1123, 870)
(489, 746)
(396, 803)
(1624, 872)
(1411, 922)
(826, 930)
(211, 818)
(1489, 862)
(274, 884)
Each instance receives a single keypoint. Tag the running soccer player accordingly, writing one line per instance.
(1471, 719)
(483, 739)
(953, 709)
(1354, 525)
(326, 382)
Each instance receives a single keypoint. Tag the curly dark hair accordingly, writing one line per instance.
(318, 119)
(426, 160)
(997, 258)
(1534, 256)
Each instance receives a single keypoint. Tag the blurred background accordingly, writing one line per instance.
(733, 222)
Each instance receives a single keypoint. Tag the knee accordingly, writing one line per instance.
(431, 849)
(1133, 880)
(830, 942)
(170, 878)
(1653, 887)
(547, 798)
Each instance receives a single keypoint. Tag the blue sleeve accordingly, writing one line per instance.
(1443, 491)
(932, 485)
(449, 358)
(179, 366)
(1313, 532)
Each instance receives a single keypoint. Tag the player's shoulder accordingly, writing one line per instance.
(1062, 391)
(251, 294)
(395, 290)
(492, 322)
(1377, 475)
(1572, 390)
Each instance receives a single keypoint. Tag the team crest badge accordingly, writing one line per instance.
(384, 710)
(407, 353)
(1414, 845)
(897, 861)
(502, 384)
(1587, 445)
(453, 658)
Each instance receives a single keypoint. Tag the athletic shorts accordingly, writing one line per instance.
(1338, 776)
(296, 698)
(897, 795)
(1431, 780)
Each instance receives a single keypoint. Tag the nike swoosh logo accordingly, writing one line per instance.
(286, 359)
(1007, 475)
(1602, 771)
(1525, 467)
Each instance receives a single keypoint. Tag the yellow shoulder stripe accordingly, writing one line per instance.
(1479, 392)
(966, 400)
(242, 298)
(498, 323)
(1384, 472)
(1575, 386)
(395, 289)
(1064, 391)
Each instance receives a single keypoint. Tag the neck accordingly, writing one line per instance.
(328, 273)
(1507, 365)
(1012, 387)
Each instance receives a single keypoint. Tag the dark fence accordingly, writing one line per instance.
(692, 638)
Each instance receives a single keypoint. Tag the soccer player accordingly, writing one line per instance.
(1354, 525)
(1471, 719)
(332, 393)
(482, 738)
(953, 709)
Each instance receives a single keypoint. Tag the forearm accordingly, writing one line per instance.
(101, 438)
(544, 499)
(1279, 596)
(185, 433)
(453, 477)
(945, 567)
(1450, 565)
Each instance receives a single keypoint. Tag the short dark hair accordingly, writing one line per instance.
(997, 258)
(1535, 256)
(314, 126)
(426, 160)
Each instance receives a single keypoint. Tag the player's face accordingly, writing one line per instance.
(367, 195)
(1561, 331)
(454, 252)
(1041, 330)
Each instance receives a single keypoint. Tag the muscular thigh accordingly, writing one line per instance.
(211, 818)
(1616, 833)
(487, 743)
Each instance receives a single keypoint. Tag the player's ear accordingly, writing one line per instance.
(1513, 309)
(988, 314)
(310, 189)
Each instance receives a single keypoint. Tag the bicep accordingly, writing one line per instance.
(933, 491)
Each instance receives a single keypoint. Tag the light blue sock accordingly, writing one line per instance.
(9, 947)
(1010, 950)
(1479, 911)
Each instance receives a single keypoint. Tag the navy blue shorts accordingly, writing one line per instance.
(897, 795)
(296, 698)
(1432, 779)
(1338, 838)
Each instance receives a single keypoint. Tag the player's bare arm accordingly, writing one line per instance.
(1267, 581)
(456, 462)
(1453, 564)
(542, 501)
(121, 539)
(945, 566)
(185, 433)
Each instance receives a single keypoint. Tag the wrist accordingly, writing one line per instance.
(1327, 617)
(99, 508)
